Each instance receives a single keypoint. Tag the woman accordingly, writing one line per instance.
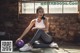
(42, 25)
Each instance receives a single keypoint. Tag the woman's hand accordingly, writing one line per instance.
(34, 28)
(18, 39)
(47, 31)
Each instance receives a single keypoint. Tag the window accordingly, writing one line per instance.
(71, 7)
(51, 7)
(55, 8)
(63, 7)
(27, 8)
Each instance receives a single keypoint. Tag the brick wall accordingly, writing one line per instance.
(8, 18)
(62, 26)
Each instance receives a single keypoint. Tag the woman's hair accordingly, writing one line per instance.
(38, 10)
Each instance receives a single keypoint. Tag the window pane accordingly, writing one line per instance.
(43, 5)
(71, 7)
(55, 8)
(28, 8)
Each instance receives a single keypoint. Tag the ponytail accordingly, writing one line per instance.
(43, 17)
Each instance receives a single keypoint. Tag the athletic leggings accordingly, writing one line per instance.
(41, 34)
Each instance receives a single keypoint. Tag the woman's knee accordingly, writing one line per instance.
(48, 40)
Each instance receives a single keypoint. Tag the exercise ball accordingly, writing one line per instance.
(20, 43)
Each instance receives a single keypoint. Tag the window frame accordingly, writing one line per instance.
(20, 10)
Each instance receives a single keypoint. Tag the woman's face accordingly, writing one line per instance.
(40, 13)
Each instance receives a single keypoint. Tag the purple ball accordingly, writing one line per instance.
(20, 43)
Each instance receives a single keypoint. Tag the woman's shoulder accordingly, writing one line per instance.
(33, 20)
(46, 18)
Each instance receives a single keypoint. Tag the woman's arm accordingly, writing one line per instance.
(27, 29)
(46, 24)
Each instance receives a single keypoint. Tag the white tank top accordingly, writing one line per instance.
(39, 24)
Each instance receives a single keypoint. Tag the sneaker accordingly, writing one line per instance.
(54, 45)
(37, 42)
(26, 47)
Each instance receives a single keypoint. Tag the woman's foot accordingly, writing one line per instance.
(26, 47)
(54, 45)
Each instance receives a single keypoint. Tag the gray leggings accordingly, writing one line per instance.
(41, 34)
